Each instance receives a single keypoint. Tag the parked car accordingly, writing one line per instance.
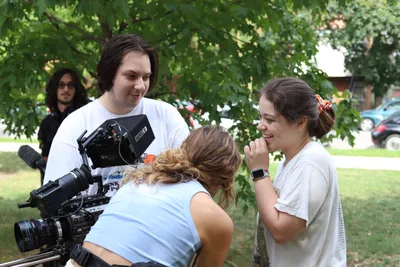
(396, 96)
(372, 117)
(387, 133)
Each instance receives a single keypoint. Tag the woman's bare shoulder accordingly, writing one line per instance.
(209, 217)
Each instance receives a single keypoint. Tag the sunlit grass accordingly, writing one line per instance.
(371, 204)
(370, 152)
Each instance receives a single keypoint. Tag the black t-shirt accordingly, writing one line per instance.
(49, 126)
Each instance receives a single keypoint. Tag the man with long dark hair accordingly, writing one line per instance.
(64, 94)
(126, 71)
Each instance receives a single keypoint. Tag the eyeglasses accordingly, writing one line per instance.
(61, 85)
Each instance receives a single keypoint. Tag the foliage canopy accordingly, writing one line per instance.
(371, 36)
(217, 52)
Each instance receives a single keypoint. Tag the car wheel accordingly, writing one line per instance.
(367, 124)
(393, 142)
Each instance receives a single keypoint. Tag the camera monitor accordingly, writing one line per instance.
(120, 141)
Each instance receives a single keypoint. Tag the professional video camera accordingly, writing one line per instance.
(67, 220)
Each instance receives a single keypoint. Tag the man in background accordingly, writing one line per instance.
(64, 94)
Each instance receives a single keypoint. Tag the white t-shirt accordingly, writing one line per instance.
(307, 188)
(168, 126)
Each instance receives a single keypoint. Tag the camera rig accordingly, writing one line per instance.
(67, 215)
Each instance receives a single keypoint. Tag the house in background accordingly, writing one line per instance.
(393, 93)
(331, 61)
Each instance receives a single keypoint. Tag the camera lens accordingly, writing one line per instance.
(32, 234)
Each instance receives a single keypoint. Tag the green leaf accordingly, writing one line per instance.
(213, 53)
(6, 25)
(41, 6)
(123, 6)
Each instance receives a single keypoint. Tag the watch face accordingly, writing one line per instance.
(258, 173)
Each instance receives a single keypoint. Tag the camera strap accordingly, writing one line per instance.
(84, 258)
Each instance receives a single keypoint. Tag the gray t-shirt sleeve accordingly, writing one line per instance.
(304, 192)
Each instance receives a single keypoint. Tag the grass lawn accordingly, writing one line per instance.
(371, 204)
(11, 163)
(18, 140)
(370, 152)
(15, 188)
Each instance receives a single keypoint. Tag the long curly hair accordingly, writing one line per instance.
(80, 97)
(209, 155)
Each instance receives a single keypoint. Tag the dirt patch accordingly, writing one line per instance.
(392, 260)
(5, 176)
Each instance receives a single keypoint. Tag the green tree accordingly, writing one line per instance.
(370, 34)
(217, 53)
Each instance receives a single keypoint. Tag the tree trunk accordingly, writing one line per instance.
(367, 97)
(378, 100)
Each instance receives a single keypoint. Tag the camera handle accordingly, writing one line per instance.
(83, 142)
(101, 190)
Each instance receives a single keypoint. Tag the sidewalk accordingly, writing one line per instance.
(13, 147)
(367, 163)
(345, 162)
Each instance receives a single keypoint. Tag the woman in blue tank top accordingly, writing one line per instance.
(165, 212)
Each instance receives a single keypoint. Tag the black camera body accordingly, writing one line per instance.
(67, 214)
(63, 231)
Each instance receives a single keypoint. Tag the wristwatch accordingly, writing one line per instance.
(258, 174)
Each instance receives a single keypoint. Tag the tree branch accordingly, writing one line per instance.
(171, 44)
(71, 46)
(167, 37)
(227, 33)
(122, 26)
(107, 32)
(86, 35)
(150, 18)
(224, 32)
(165, 14)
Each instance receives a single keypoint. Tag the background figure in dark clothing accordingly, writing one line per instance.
(64, 94)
